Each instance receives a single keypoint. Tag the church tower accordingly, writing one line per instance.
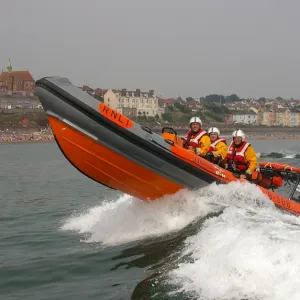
(9, 66)
(10, 79)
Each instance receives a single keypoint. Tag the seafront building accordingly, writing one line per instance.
(134, 103)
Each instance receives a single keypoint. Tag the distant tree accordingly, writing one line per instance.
(179, 106)
(232, 98)
(262, 101)
(211, 106)
(184, 118)
(215, 98)
(214, 116)
(167, 117)
(189, 99)
(278, 99)
(186, 110)
(225, 109)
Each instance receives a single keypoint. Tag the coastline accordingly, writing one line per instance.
(26, 141)
(49, 138)
(268, 137)
(17, 137)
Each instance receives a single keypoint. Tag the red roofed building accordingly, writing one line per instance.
(166, 102)
(16, 82)
(194, 105)
(100, 92)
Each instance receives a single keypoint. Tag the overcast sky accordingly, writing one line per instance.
(176, 47)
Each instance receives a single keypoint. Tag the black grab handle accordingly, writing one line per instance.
(147, 128)
(170, 129)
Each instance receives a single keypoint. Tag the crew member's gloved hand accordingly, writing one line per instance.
(247, 175)
(198, 151)
(248, 172)
(215, 154)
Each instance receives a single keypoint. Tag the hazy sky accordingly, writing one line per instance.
(176, 47)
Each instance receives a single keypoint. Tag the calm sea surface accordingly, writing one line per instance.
(63, 236)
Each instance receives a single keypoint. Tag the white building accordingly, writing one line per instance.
(294, 120)
(267, 118)
(137, 103)
(248, 117)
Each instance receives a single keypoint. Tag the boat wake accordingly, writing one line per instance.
(129, 219)
(242, 252)
(247, 252)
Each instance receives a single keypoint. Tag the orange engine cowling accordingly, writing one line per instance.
(266, 182)
(173, 137)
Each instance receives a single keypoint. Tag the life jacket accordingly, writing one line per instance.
(193, 139)
(212, 147)
(235, 157)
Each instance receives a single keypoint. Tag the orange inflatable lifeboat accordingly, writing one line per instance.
(115, 151)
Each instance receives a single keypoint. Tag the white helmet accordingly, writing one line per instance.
(195, 120)
(213, 130)
(239, 133)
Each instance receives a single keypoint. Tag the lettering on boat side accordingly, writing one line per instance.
(197, 160)
(200, 162)
(280, 201)
(220, 173)
(115, 116)
(284, 203)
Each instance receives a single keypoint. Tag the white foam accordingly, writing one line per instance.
(250, 251)
(290, 156)
(128, 219)
(288, 153)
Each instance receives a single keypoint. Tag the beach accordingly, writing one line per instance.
(29, 136)
(275, 136)
(46, 135)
